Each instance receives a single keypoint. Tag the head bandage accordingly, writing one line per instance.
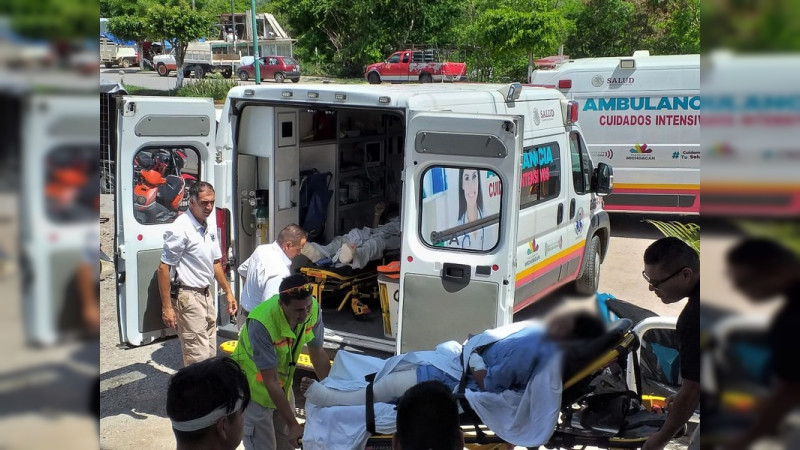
(207, 420)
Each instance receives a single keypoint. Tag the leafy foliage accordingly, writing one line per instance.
(497, 38)
(214, 86)
(54, 20)
(603, 29)
(786, 232)
(130, 28)
(687, 232)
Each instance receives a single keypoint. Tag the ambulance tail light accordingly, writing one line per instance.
(571, 113)
(223, 232)
(565, 84)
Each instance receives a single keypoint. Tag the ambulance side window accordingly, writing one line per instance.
(162, 177)
(581, 164)
(541, 174)
(460, 208)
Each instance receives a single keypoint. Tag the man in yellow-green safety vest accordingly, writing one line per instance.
(269, 346)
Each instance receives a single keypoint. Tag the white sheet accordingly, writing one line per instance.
(526, 419)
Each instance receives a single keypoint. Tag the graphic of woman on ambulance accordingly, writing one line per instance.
(470, 209)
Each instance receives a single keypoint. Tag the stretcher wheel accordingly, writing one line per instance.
(359, 308)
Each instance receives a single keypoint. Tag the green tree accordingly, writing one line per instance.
(521, 28)
(347, 35)
(130, 28)
(177, 23)
(602, 28)
(53, 20)
(681, 30)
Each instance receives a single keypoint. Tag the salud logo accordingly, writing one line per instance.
(597, 81)
(536, 118)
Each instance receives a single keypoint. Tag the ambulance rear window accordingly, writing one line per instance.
(72, 188)
(460, 208)
(162, 177)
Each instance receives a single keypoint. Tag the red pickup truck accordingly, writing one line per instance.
(414, 65)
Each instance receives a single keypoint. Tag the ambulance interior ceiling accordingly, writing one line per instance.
(362, 149)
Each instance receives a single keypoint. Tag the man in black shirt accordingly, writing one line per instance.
(672, 269)
(763, 270)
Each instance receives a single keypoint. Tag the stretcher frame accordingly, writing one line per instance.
(358, 286)
(478, 437)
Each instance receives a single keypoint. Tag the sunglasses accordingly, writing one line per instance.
(656, 284)
(304, 289)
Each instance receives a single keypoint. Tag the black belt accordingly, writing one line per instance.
(202, 290)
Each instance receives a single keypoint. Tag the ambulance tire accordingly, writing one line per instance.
(588, 283)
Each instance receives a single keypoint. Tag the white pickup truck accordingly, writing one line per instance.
(113, 54)
(199, 60)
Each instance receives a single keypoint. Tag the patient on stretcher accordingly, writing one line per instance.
(360, 245)
(505, 364)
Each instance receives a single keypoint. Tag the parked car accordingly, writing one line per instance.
(278, 68)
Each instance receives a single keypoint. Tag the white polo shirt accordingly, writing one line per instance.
(191, 249)
(264, 270)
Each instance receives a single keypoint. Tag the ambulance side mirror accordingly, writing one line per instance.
(603, 179)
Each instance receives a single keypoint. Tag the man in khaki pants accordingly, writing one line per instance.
(190, 261)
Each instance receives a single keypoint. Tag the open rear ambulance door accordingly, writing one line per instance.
(165, 145)
(457, 275)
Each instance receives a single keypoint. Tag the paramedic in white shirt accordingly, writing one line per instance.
(264, 270)
(190, 260)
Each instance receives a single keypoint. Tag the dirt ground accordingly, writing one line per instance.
(134, 380)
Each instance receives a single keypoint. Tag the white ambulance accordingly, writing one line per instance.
(516, 153)
(641, 115)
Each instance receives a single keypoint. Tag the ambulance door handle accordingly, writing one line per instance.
(560, 215)
(457, 273)
(572, 208)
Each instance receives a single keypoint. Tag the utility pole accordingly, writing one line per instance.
(256, 56)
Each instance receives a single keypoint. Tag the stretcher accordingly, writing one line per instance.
(354, 285)
(584, 415)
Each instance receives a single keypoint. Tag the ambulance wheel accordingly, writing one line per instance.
(589, 282)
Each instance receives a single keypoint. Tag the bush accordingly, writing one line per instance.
(214, 85)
